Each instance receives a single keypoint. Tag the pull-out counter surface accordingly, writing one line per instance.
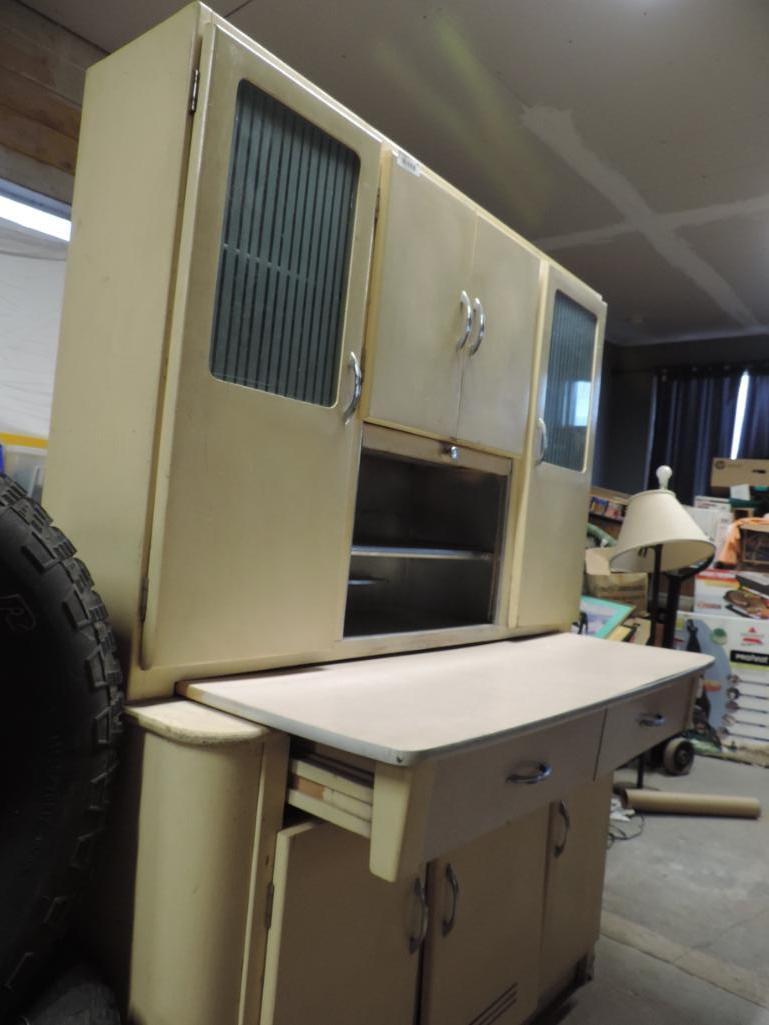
(454, 743)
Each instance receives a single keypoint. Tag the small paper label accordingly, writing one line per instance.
(408, 164)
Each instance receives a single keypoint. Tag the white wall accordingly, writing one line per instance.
(31, 288)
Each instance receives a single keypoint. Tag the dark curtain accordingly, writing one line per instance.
(693, 423)
(755, 431)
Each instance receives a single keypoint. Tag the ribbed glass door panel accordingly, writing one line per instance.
(279, 310)
(569, 383)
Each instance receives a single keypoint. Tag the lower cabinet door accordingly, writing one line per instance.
(481, 957)
(343, 946)
(574, 884)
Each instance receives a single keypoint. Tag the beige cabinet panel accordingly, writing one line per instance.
(482, 952)
(550, 533)
(575, 869)
(422, 264)
(257, 461)
(339, 948)
(496, 382)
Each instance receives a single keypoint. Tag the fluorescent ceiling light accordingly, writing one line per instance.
(30, 217)
(739, 416)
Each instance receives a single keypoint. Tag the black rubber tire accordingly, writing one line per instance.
(60, 711)
(72, 996)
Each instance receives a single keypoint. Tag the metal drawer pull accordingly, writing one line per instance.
(464, 302)
(478, 305)
(563, 811)
(652, 720)
(354, 365)
(415, 942)
(448, 923)
(542, 428)
(542, 771)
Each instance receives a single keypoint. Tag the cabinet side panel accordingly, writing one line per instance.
(130, 178)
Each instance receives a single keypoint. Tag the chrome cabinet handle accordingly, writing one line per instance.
(478, 308)
(542, 428)
(563, 811)
(464, 303)
(540, 773)
(354, 365)
(448, 923)
(652, 720)
(415, 942)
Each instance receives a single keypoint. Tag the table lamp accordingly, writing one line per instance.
(659, 536)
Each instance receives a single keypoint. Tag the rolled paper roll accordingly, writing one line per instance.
(693, 804)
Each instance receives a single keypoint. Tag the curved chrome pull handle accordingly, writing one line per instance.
(357, 388)
(563, 811)
(542, 428)
(540, 773)
(415, 942)
(448, 923)
(478, 308)
(652, 720)
(464, 303)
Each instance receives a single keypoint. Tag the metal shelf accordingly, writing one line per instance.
(404, 552)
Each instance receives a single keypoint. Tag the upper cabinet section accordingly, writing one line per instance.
(453, 315)
(264, 367)
(550, 529)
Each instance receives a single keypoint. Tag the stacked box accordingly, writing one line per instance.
(735, 692)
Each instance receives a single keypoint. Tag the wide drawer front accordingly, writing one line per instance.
(479, 790)
(637, 725)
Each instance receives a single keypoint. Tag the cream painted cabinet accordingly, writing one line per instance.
(481, 960)
(260, 372)
(550, 532)
(453, 316)
(343, 946)
(574, 883)
(494, 405)
(422, 267)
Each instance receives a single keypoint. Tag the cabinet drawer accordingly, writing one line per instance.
(477, 791)
(637, 725)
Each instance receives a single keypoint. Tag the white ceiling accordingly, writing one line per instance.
(628, 138)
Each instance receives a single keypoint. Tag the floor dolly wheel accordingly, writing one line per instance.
(678, 756)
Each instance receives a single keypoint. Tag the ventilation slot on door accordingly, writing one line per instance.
(426, 546)
(500, 1006)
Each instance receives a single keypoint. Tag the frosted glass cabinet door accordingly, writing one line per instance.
(257, 458)
(422, 264)
(551, 531)
(338, 951)
(482, 951)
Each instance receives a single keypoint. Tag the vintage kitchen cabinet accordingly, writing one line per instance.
(280, 434)
(443, 865)
(292, 433)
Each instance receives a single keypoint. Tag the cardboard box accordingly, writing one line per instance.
(736, 685)
(726, 472)
(600, 582)
(711, 588)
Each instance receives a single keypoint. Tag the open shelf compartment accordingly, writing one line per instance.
(427, 543)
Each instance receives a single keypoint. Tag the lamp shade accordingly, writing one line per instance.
(657, 518)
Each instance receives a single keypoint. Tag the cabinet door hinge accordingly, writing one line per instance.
(194, 90)
(268, 905)
(143, 598)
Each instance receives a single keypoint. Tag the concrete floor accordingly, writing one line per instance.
(686, 915)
